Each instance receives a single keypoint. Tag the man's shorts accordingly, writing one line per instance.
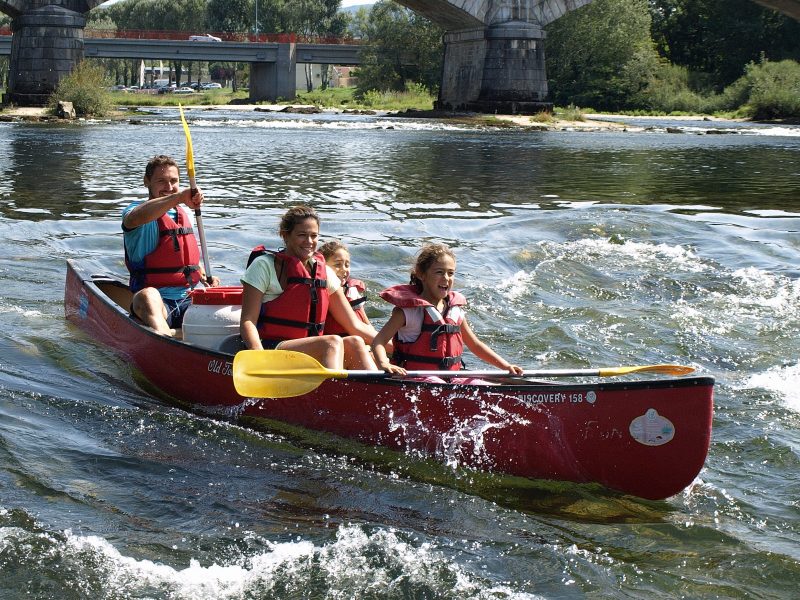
(175, 311)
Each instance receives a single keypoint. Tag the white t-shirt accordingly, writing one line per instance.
(261, 275)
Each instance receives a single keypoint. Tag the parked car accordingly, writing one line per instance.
(211, 86)
(183, 90)
(206, 37)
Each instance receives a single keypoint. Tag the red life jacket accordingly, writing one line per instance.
(354, 292)
(175, 262)
(301, 308)
(439, 345)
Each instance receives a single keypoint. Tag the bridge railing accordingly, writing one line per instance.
(226, 36)
(149, 34)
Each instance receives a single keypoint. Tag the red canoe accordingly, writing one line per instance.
(645, 438)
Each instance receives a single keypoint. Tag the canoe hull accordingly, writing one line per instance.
(645, 438)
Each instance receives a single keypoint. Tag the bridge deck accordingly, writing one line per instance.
(331, 54)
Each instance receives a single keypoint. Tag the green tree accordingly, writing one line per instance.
(400, 46)
(720, 37)
(230, 15)
(313, 19)
(774, 89)
(601, 55)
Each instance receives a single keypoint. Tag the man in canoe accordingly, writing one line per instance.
(161, 251)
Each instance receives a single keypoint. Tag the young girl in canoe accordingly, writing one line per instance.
(337, 257)
(428, 324)
(289, 293)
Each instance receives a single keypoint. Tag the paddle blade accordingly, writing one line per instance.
(278, 373)
(189, 149)
(662, 369)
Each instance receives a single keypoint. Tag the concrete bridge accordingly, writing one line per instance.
(46, 45)
(494, 50)
(48, 41)
(272, 65)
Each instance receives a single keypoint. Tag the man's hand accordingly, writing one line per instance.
(212, 281)
(192, 200)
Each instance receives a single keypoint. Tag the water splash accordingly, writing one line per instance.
(334, 124)
(385, 563)
(782, 381)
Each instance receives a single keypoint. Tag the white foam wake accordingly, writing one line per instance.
(782, 381)
(377, 563)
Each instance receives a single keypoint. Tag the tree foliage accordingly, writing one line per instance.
(601, 55)
(400, 46)
(230, 15)
(720, 37)
(774, 89)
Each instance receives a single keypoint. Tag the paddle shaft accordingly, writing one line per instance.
(198, 216)
(283, 373)
(356, 374)
(193, 188)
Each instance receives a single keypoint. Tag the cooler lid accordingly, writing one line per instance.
(217, 295)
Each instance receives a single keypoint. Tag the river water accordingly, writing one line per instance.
(575, 249)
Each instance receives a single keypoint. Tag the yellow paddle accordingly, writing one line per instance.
(193, 185)
(283, 373)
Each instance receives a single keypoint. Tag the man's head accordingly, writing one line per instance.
(161, 176)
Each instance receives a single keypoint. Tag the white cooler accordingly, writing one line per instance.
(213, 316)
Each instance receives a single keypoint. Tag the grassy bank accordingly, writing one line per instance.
(413, 98)
(198, 99)
(341, 98)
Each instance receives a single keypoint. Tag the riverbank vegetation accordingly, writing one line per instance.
(414, 96)
(724, 57)
(85, 87)
(205, 98)
(676, 56)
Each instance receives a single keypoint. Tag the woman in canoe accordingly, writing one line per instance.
(337, 257)
(289, 293)
(428, 325)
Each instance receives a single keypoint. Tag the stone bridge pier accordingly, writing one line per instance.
(496, 69)
(494, 50)
(47, 43)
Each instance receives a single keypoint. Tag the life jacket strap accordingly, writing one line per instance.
(442, 363)
(174, 233)
(312, 328)
(313, 285)
(437, 330)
